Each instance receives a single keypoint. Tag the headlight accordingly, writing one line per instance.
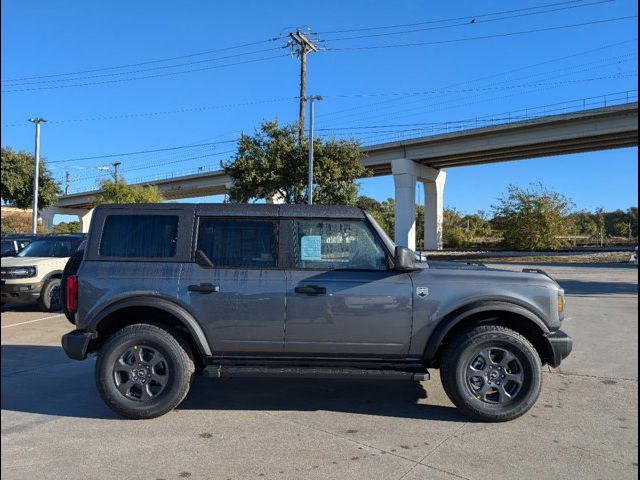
(18, 272)
(561, 303)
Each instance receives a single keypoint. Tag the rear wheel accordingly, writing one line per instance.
(143, 371)
(491, 373)
(49, 300)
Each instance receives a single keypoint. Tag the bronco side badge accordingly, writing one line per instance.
(422, 291)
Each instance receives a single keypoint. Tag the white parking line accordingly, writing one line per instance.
(31, 321)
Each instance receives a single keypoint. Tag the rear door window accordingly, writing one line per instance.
(150, 236)
(238, 242)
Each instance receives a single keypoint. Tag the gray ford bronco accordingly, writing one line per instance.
(162, 292)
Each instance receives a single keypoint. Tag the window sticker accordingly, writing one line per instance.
(311, 248)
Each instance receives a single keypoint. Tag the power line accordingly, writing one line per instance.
(157, 157)
(466, 23)
(165, 112)
(614, 98)
(483, 37)
(147, 76)
(431, 22)
(445, 90)
(359, 113)
(102, 69)
(481, 89)
(158, 164)
(494, 75)
(444, 105)
(111, 155)
(131, 72)
(484, 119)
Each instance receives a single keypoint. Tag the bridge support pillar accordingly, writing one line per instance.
(433, 211)
(405, 175)
(405, 211)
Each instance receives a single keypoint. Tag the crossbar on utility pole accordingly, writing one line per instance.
(311, 99)
(36, 174)
(304, 46)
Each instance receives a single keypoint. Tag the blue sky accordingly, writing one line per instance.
(434, 83)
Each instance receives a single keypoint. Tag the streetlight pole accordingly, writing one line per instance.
(36, 173)
(311, 99)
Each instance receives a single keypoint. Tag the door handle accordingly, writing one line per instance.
(204, 288)
(311, 290)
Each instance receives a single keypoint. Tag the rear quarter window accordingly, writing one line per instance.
(150, 236)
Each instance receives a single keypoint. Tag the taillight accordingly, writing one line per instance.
(72, 293)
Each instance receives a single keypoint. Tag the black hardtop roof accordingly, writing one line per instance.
(245, 209)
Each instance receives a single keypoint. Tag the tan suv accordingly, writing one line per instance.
(34, 273)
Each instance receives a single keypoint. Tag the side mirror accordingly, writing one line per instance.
(404, 259)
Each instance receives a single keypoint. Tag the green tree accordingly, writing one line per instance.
(382, 212)
(17, 180)
(67, 227)
(454, 234)
(584, 223)
(622, 228)
(110, 192)
(601, 223)
(386, 216)
(272, 164)
(533, 218)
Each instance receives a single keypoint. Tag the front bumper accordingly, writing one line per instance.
(19, 292)
(76, 343)
(559, 345)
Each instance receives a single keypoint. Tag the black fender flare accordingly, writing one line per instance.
(457, 316)
(160, 303)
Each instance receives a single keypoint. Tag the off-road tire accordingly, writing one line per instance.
(47, 300)
(179, 362)
(454, 377)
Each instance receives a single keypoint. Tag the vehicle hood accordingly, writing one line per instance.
(32, 261)
(457, 265)
(479, 273)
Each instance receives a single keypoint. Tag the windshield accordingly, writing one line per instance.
(7, 246)
(49, 248)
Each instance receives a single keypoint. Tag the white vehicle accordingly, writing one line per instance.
(34, 273)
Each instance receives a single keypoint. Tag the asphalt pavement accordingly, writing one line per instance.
(585, 424)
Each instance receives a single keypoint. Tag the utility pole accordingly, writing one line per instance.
(304, 46)
(36, 174)
(116, 177)
(67, 182)
(311, 99)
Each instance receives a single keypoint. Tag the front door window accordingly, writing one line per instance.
(337, 245)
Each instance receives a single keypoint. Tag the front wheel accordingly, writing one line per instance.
(143, 371)
(491, 373)
(49, 300)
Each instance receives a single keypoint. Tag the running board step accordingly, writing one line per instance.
(228, 371)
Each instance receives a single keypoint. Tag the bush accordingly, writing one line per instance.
(533, 218)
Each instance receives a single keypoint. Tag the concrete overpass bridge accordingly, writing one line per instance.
(425, 159)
